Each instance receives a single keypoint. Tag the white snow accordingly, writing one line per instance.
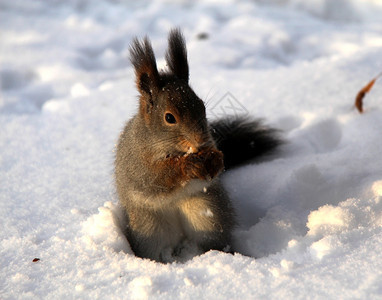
(310, 217)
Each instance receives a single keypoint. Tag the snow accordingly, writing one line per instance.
(310, 217)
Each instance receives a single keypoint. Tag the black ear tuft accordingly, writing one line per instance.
(176, 56)
(143, 59)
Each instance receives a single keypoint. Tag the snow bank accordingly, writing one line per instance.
(310, 217)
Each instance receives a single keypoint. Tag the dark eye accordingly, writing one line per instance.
(170, 118)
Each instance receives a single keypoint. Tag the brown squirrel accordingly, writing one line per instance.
(168, 160)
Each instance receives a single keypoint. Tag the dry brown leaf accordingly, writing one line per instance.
(361, 94)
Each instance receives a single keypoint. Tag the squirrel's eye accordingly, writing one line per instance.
(170, 118)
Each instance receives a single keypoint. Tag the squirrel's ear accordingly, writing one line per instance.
(176, 56)
(143, 59)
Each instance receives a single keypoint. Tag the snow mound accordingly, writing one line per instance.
(334, 228)
(105, 229)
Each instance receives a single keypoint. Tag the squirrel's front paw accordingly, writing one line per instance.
(205, 164)
(213, 161)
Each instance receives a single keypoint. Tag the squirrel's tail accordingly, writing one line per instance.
(242, 140)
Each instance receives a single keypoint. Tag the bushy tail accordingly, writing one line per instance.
(242, 140)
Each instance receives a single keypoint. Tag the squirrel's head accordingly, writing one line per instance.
(173, 114)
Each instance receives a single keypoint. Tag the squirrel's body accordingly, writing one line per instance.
(167, 163)
(164, 217)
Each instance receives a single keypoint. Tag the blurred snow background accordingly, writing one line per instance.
(310, 218)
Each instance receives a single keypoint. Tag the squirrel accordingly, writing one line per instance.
(168, 161)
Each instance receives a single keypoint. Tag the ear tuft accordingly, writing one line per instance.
(143, 59)
(176, 56)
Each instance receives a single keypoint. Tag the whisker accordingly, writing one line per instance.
(208, 100)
